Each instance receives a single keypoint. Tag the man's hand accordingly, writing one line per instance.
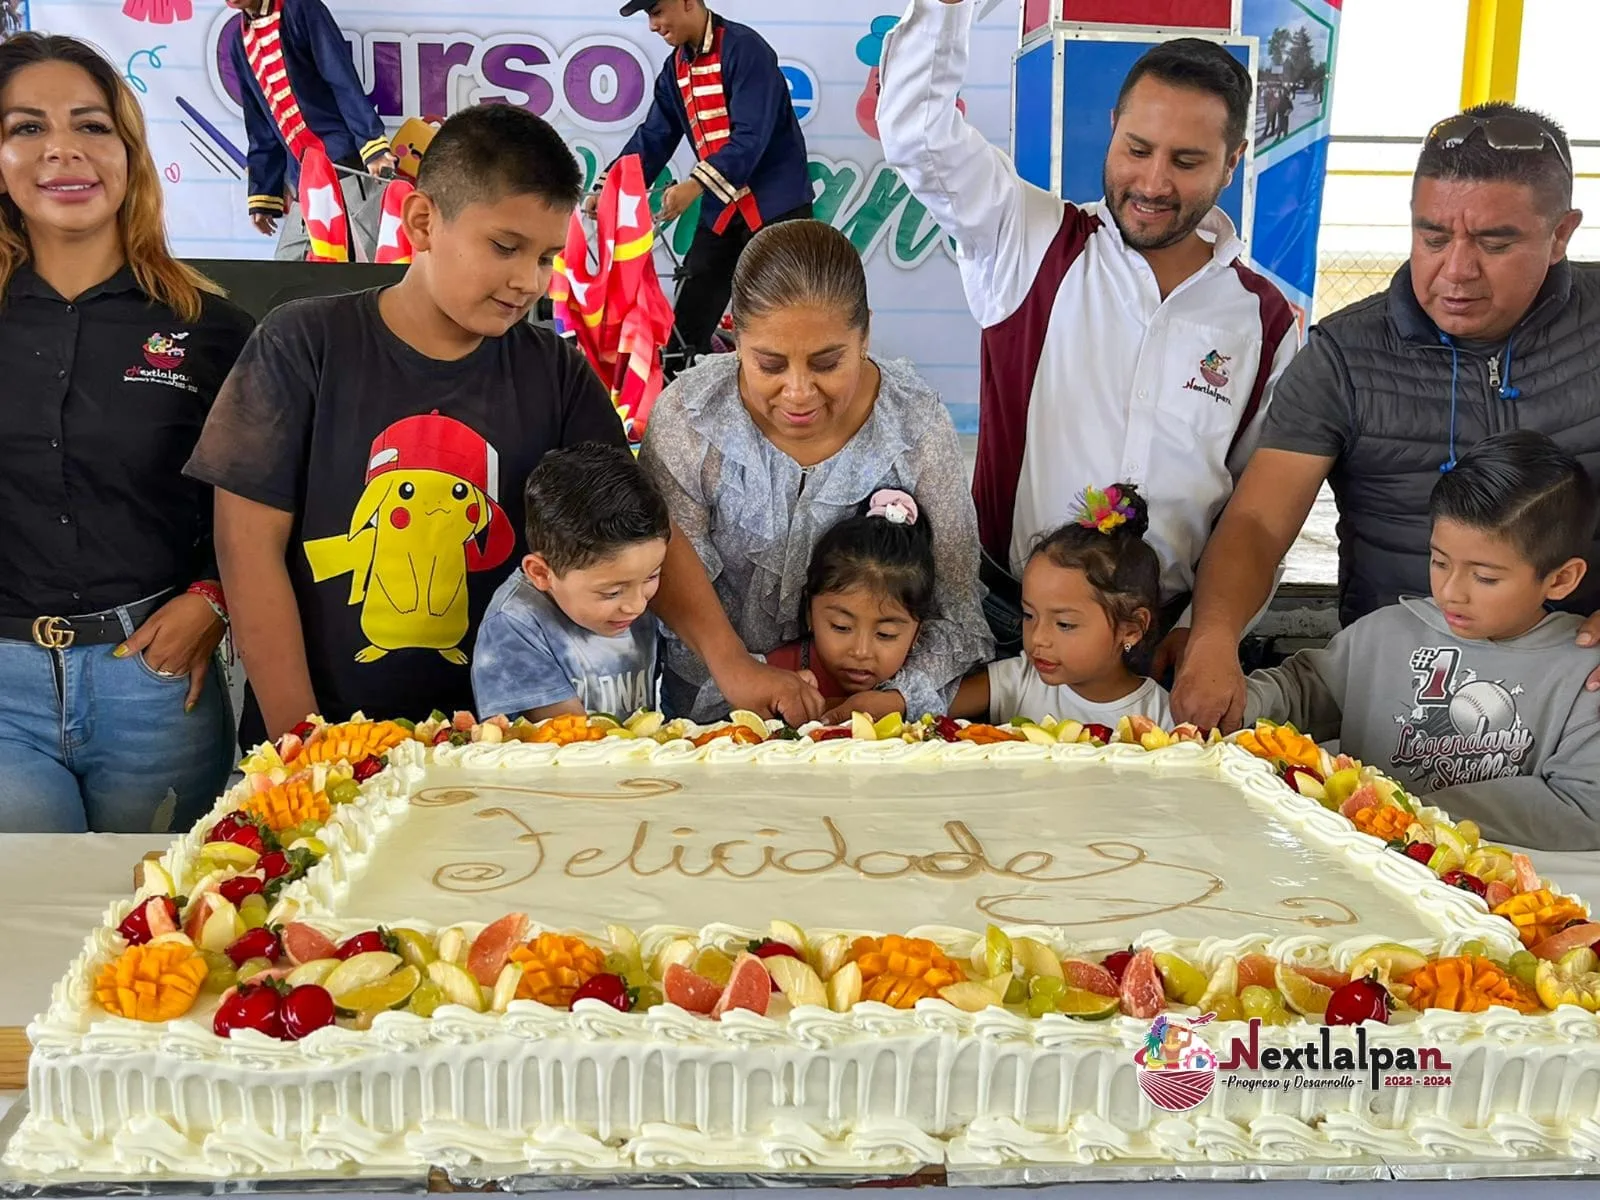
(178, 639)
(383, 166)
(678, 198)
(770, 691)
(1209, 691)
(875, 704)
(1589, 635)
(1169, 654)
(265, 223)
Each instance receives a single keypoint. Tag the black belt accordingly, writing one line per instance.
(92, 629)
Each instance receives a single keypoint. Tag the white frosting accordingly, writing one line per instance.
(598, 1090)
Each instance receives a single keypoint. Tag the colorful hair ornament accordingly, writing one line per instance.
(895, 507)
(1104, 510)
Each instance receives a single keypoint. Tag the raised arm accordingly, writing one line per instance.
(1001, 225)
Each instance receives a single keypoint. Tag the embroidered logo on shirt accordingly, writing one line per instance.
(427, 516)
(1213, 369)
(163, 352)
(1461, 729)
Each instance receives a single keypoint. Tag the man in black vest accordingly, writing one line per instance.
(1487, 328)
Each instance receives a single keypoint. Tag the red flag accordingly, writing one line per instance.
(322, 208)
(616, 310)
(393, 244)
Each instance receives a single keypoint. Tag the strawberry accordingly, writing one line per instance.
(946, 728)
(239, 830)
(1100, 733)
(274, 864)
(608, 989)
(442, 736)
(135, 927)
(256, 943)
(1117, 962)
(303, 730)
(236, 889)
(304, 1010)
(832, 733)
(365, 943)
(253, 1006)
(368, 767)
(769, 948)
(1467, 883)
(1357, 1001)
(1420, 851)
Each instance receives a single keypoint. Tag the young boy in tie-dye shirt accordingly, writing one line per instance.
(570, 631)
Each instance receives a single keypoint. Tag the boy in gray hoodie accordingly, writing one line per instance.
(1474, 697)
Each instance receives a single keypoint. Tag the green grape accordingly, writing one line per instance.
(649, 996)
(252, 967)
(426, 997)
(1524, 966)
(1042, 1002)
(252, 902)
(1475, 948)
(1278, 1016)
(1016, 991)
(1259, 1001)
(253, 918)
(1047, 986)
(219, 978)
(344, 791)
(616, 964)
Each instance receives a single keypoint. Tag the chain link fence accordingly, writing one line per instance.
(1345, 276)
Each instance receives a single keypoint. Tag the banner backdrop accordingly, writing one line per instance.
(589, 72)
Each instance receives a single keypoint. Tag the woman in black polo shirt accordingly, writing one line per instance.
(113, 716)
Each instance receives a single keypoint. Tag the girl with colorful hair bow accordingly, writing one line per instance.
(1090, 594)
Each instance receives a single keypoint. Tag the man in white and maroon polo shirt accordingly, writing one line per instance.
(1123, 340)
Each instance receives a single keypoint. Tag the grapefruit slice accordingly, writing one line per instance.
(304, 944)
(1142, 993)
(749, 987)
(491, 949)
(694, 993)
(1496, 894)
(1570, 938)
(1527, 878)
(1089, 977)
(1257, 970)
(1365, 796)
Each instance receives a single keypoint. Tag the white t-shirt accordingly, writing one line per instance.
(1015, 690)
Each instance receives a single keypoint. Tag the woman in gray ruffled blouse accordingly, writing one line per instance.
(761, 451)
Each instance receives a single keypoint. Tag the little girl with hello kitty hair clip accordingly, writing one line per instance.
(869, 588)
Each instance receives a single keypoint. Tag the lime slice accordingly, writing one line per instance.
(890, 726)
(458, 987)
(996, 951)
(1086, 1005)
(1305, 996)
(749, 720)
(1444, 836)
(1445, 859)
(228, 854)
(383, 995)
(314, 971)
(862, 728)
(1183, 982)
(415, 948)
(360, 970)
(1389, 961)
(604, 721)
(714, 965)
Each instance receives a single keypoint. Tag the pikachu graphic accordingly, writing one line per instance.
(426, 519)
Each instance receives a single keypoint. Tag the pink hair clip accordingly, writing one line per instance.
(893, 506)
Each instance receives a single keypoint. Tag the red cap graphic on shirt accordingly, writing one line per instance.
(431, 442)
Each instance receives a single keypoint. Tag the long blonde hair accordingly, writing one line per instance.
(144, 237)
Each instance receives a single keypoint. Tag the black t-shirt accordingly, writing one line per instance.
(405, 477)
(103, 400)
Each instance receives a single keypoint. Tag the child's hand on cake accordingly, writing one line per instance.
(875, 704)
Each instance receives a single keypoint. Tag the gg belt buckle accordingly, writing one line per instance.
(53, 633)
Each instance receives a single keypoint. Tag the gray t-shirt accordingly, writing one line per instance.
(530, 654)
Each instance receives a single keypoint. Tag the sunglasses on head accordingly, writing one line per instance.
(1504, 132)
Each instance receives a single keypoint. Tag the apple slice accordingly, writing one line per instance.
(452, 946)
(969, 996)
(844, 989)
(790, 934)
(505, 987)
(361, 969)
(458, 986)
(797, 981)
(827, 958)
(1036, 958)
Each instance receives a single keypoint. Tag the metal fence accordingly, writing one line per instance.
(1345, 276)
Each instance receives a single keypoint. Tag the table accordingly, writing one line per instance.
(54, 887)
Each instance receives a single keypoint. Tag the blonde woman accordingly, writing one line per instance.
(112, 717)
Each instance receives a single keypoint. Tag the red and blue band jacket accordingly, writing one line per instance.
(299, 88)
(728, 97)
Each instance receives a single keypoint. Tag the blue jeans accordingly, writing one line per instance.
(93, 742)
